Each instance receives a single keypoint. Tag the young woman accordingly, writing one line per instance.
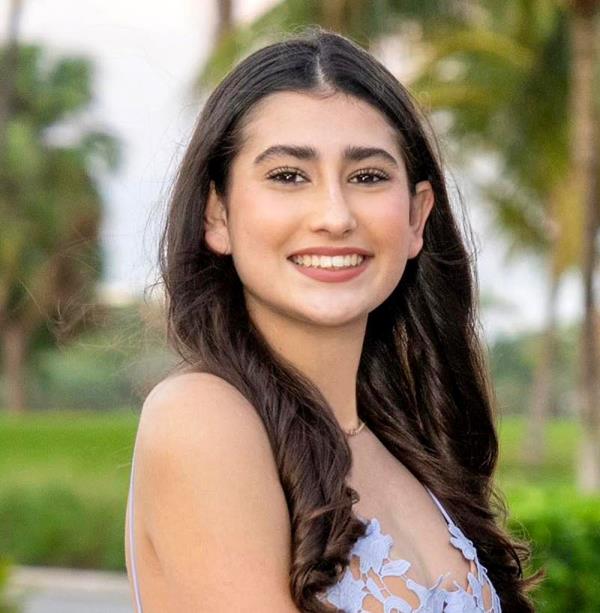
(330, 443)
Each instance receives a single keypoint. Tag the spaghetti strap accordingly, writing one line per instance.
(138, 601)
(440, 507)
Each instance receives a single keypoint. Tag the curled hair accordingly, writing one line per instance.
(422, 383)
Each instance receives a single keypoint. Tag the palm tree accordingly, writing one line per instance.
(505, 81)
(515, 82)
(365, 21)
(50, 208)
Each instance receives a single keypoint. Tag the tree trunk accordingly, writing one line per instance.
(14, 350)
(335, 15)
(583, 34)
(533, 451)
(225, 18)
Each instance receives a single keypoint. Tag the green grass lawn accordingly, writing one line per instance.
(90, 453)
(558, 468)
(93, 449)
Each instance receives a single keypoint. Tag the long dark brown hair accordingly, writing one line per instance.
(422, 385)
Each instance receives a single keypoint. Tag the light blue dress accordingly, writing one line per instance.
(372, 552)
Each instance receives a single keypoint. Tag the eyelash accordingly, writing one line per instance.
(374, 172)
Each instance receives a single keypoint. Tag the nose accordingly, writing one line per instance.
(332, 211)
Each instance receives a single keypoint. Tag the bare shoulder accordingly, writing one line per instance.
(210, 496)
(184, 400)
(199, 416)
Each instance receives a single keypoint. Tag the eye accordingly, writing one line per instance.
(376, 176)
(285, 175)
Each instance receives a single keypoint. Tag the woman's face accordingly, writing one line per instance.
(318, 173)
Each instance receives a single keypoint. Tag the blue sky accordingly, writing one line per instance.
(145, 55)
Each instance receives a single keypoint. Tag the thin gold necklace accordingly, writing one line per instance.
(356, 430)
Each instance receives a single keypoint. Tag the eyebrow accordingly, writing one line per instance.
(353, 153)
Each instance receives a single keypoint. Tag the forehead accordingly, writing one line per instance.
(328, 123)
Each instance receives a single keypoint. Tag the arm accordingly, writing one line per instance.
(211, 500)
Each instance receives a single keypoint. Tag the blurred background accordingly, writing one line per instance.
(97, 103)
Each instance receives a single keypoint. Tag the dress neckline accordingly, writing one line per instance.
(457, 539)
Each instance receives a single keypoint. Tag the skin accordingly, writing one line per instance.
(318, 326)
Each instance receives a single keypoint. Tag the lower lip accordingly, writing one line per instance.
(332, 276)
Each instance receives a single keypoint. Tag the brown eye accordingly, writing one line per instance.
(371, 176)
(286, 176)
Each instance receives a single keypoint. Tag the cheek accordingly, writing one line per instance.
(261, 224)
(390, 235)
(389, 222)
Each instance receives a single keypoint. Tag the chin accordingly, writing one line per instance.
(332, 320)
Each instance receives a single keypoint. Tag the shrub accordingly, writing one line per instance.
(565, 531)
(53, 525)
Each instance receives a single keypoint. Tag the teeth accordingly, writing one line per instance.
(326, 261)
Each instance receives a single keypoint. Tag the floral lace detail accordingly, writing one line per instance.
(372, 551)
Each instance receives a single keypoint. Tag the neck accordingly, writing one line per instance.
(327, 355)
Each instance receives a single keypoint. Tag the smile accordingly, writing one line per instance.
(331, 269)
(327, 261)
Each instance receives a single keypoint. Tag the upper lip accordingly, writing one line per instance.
(331, 251)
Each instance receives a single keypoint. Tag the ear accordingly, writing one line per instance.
(216, 233)
(420, 207)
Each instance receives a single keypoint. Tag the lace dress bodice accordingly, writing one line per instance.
(371, 569)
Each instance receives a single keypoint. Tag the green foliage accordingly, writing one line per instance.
(565, 531)
(365, 21)
(55, 525)
(513, 361)
(504, 81)
(50, 202)
(113, 365)
(562, 525)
